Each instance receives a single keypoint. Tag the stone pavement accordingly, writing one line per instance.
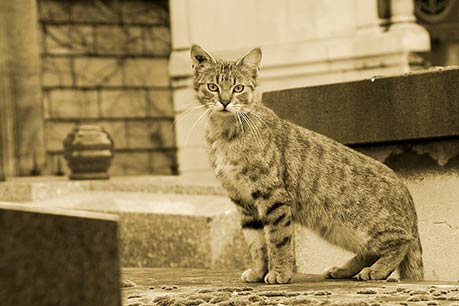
(161, 286)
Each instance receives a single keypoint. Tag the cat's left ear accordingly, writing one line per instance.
(251, 59)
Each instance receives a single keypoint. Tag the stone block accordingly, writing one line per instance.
(159, 103)
(57, 71)
(130, 163)
(94, 71)
(56, 133)
(116, 39)
(150, 133)
(58, 257)
(157, 40)
(144, 12)
(117, 130)
(164, 162)
(82, 39)
(382, 109)
(66, 39)
(54, 10)
(94, 11)
(72, 103)
(146, 72)
(127, 103)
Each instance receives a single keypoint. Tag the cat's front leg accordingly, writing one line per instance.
(277, 219)
(252, 228)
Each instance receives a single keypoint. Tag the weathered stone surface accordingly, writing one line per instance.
(58, 257)
(381, 109)
(189, 286)
(26, 189)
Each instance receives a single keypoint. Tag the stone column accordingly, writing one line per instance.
(21, 121)
(402, 13)
(7, 145)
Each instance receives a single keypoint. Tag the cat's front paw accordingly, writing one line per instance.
(250, 276)
(371, 274)
(277, 278)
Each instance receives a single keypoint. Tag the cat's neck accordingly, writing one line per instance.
(223, 127)
(230, 128)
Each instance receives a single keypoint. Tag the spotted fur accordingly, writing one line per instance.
(278, 173)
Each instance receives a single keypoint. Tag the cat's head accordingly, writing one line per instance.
(225, 87)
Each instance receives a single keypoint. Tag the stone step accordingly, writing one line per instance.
(168, 230)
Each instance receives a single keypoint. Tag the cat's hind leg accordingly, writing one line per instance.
(350, 268)
(391, 247)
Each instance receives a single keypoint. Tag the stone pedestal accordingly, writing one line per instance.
(57, 257)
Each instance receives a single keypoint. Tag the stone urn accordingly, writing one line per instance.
(88, 150)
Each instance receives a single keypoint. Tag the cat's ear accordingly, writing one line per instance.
(251, 59)
(199, 56)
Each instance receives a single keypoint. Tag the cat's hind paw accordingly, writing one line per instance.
(329, 272)
(371, 274)
(250, 276)
(277, 278)
(334, 272)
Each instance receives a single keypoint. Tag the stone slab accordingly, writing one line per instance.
(57, 257)
(381, 109)
(166, 286)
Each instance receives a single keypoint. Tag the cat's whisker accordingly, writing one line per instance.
(239, 120)
(260, 119)
(184, 114)
(253, 127)
(195, 124)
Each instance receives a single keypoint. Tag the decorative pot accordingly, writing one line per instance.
(88, 150)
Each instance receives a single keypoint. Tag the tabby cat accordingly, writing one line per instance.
(278, 173)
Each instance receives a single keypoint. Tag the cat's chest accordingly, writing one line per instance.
(229, 163)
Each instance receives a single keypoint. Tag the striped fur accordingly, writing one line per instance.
(278, 174)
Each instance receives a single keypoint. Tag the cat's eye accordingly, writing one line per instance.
(238, 88)
(212, 87)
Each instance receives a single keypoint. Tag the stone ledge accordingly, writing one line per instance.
(26, 189)
(382, 109)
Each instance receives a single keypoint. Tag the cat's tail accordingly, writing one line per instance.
(411, 266)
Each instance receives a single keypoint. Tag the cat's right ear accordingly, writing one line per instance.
(199, 56)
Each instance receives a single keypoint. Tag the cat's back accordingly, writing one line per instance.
(322, 170)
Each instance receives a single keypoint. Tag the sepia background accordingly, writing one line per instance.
(125, 65)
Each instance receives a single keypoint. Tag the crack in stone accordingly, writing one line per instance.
(447, 224)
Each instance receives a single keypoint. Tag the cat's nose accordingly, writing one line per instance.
(225, 103)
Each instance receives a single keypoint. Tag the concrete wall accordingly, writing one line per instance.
(304, 43)
(436, 197)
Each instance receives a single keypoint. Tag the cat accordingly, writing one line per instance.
(278, 174)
